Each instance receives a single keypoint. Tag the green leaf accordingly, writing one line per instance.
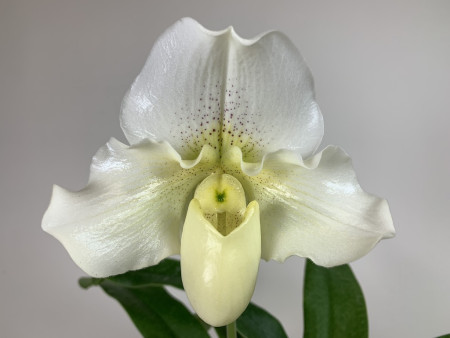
(150, 306)
(257, 322)
(333, 303)
(444, 336)
(167, 272)
(87, 282)
(155, 312)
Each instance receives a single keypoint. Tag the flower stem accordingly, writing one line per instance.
(231, 330)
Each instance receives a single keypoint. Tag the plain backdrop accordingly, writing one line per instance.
(382, 74)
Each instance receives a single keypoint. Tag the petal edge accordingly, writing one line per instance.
(130, 214)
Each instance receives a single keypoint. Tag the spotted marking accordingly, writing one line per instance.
(222, 117)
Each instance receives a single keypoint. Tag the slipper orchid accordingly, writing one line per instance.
(221, 171)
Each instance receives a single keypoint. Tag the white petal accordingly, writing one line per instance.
(202, 87)
(130, 214)
(219, 272)
(316, 208)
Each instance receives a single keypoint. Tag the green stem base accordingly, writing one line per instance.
(231, 330)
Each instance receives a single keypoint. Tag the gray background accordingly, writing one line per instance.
(382, 72)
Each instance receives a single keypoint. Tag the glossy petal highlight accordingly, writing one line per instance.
(202, 87)
(220, 121)
(314, 208)
(130, 214)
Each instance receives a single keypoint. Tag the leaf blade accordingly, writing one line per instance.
(334, 304)
(256, 322)
(155, 312)
(167, 272)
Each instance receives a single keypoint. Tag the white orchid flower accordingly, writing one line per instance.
(220, 170)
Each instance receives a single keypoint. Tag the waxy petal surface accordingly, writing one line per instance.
(219, 272)
(202, 87)
(314, 208)
(130, 214)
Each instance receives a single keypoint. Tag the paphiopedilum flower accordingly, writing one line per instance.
(221, 171)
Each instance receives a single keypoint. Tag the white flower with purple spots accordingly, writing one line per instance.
(221, 171)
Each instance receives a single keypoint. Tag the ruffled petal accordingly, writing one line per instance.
(130, 214)
(203, 87)
(314, 208)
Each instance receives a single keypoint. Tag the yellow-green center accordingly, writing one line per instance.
(222, 201)
(220, 196)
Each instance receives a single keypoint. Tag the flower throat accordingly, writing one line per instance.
(222, 200)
